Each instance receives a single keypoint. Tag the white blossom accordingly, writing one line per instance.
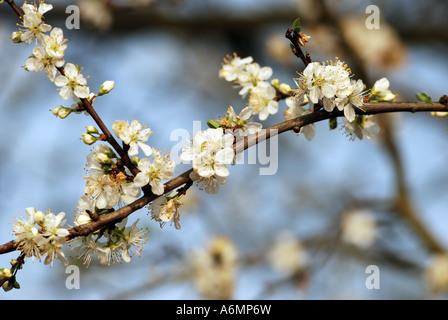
(234, 67)
(296, 110)
(353, 97)
(381, 92)
(162, 168)
(132, 241)
(209, 184)
(287, 255)
(262, 101)
(214, 268)
(42, 60)
(42, 235)
(164, 210)
(109, 189)
(85, 248)
(134, 135)
(359, 228)
(72, 83)
(331, 84)
(241, 121)
(362, 126)
(252, 76)
(26, 233)
(32, 21)
(54, 44)
(210, 152)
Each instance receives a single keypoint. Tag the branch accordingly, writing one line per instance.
(402, 202)
(15, 8)
(289, 125)
(109, 137)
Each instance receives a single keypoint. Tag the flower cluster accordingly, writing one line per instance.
(331, 83)
(287, 255)
(166, 209)
(121, 243)
(107, 185)
(295, 109)
(210, 152)
(240, 123)
(214, 269)
(48, 54)
(252, 79)
(41, 235)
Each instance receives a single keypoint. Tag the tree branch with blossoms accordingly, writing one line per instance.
(324, 91)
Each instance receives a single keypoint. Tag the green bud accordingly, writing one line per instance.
(275, 83)
(16, 285)
(333, 123)
(422, 96)
(214, 124)
(296, 25)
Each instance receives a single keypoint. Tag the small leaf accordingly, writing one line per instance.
(422, 96)
(214, 124)
(296, 25)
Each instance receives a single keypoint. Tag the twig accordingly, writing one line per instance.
(15, 8)
(293, 37)
(403, 203)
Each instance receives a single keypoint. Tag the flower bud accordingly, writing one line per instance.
(285, 88)
(17, 37)
(214, 124)
(102, 158)
(92, 129)
(135, 161)
(8, 285)
(5, 273)
(106, 87)
(439, 114)
(39, 217)
(55, 111)
(61, 112)
(88, 139)
(275, 83)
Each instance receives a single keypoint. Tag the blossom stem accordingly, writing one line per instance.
(296, 50)
(109, 138)
(15, 8)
